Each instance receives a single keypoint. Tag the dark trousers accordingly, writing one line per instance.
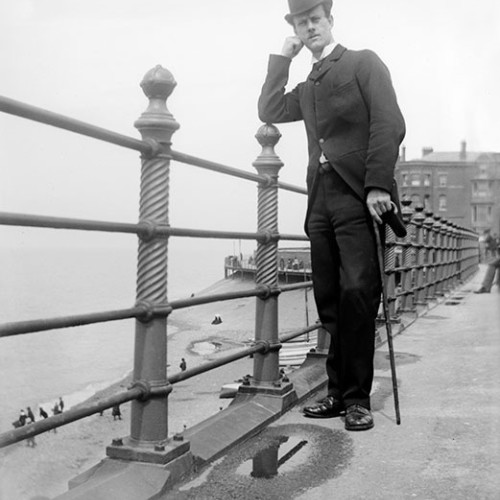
(346, 284)
(491, 270)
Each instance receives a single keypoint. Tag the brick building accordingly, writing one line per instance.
(462, 186)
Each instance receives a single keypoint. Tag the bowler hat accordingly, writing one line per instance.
(300, 6)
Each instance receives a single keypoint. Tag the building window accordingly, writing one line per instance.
(404, 178)
(427, 202)
(442, 203)
(427, 179)
(415, 179)
(482, 189)
(443, 180)
(480, 214)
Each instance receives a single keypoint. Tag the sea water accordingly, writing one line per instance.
(73, 363)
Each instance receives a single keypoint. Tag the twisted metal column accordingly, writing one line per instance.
(149, 415)
(409, 260)
(390, 269)
(439, 256)
(266, 365)
(420, 245)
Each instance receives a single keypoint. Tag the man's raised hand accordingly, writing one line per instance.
(291, 47)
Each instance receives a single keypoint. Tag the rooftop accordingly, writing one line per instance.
(458, 157)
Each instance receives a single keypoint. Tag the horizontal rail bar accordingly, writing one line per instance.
(71, 415)
(235, 172)
(40, 115)
(206, 233)
(42, 324)
(178, 377)
(39, 325)
(192, 372)
(207, 299)
(290, 187)
(142, 229)
(293, 237)
(216, 167)
(298, 333)
(296, 286)
(47, 221)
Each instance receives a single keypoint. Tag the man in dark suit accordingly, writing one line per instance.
(354, 129)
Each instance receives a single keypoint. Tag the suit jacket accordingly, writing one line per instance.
(350, 111)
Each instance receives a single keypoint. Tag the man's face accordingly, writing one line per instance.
(314, 29)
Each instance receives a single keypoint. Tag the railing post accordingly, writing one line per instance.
(266, 373)
(439, 256)
(266, 366)
(430, 255)
(455, 254)
(448, 258)
(149, 416)
(409, 259)
(421, 252)
(390, 270)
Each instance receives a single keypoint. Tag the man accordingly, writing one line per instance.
(354, 128)
(490, 245)
(492, 269)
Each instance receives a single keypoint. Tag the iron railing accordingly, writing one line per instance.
(433, 258)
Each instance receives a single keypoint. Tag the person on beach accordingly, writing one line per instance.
(116, 412)
(29, 414)
(56, 410)
(22, 418)
(43, 413)
(354, 129)
(61, 404)
(183, 365)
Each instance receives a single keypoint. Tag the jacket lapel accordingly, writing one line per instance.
(322, 67)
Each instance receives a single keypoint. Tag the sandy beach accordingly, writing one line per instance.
(42, 472)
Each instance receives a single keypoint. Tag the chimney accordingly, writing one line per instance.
(427, 151)
(463, 151)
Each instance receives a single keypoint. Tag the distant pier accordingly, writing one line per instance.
(294, 264)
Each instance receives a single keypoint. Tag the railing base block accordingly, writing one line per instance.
(152, 454)
(128, 480)
(277, 390)
(317, 353)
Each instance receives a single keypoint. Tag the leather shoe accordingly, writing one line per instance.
(358, 418)
(482, 290)
(327, 407)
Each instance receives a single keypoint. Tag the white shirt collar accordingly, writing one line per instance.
(326, 52)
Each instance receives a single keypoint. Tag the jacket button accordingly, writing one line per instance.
(316, 83)
(321, 141)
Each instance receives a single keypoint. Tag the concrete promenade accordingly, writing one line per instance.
(448, 443)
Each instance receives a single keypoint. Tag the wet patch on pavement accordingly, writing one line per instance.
(455, 300)
(433, 316)
(382, 392)
(280, 462)
(382, 361)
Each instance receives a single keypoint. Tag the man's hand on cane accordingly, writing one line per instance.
(379, 202)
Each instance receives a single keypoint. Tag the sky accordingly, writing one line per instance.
(86, 58)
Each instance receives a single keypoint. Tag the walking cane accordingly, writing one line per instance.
(385, 303)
